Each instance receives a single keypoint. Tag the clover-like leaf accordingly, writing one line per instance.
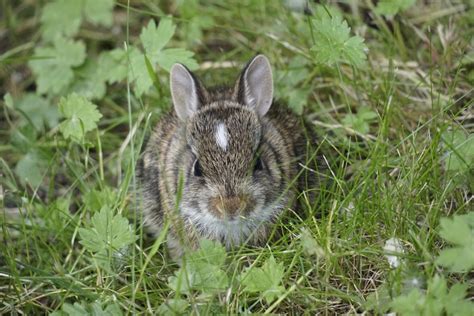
(265, 280)
(62, 18)
(107, 237)
(81, 116)
(154, 39)
(333, 43)
(99, 12)
(202, 270)
(53, 65)
(459, 231)
(360, 121)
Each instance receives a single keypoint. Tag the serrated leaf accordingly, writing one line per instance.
(456, 230)
(265, 280)
(113, 65)
(202, 270)
(459, 231)
(138, 72)
(457, 303)
(81, 116)
(392, 7)
(107, 236)
(154, 38)
(333, 43)
(99, 11)
(89, 82)
(360, 121)
(166, 58)
(53, 65)
(61, 18)
(290, 86)
(437, 300)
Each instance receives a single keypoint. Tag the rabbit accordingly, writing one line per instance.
(221, 165)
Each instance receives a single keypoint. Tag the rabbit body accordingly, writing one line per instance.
(220, 165)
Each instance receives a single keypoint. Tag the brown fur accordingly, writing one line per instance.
(231, 185)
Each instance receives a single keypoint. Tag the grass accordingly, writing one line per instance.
(390, 168)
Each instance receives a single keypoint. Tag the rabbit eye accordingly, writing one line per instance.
(197, 168)
(258, 164)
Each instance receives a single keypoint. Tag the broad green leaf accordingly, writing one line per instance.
(265, 280)
(89, 82)
(61, 18)
(24, 137)
(94, 309)
(53, 65)
(99, 11)
(392, 7)
(333, 43)
(38, 111)
(456, 230)
(410, 304)
(173, 307)
(81, 116)
(74, 310)
(460, 156)
(32, 168)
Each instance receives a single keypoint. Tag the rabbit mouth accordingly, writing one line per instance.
(231, 208)
(233, 230)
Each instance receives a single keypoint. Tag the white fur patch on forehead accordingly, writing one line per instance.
(222, 137)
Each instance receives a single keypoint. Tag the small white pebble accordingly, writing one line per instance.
(393, 247)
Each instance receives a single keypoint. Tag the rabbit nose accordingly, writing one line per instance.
(229, 206)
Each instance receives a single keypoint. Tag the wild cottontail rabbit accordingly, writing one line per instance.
(220, 165)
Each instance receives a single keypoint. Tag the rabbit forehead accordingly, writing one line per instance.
(224, 137)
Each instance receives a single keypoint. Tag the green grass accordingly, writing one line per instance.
(395, 131)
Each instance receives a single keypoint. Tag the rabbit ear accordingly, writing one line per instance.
(185, 91)
(255, 85)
